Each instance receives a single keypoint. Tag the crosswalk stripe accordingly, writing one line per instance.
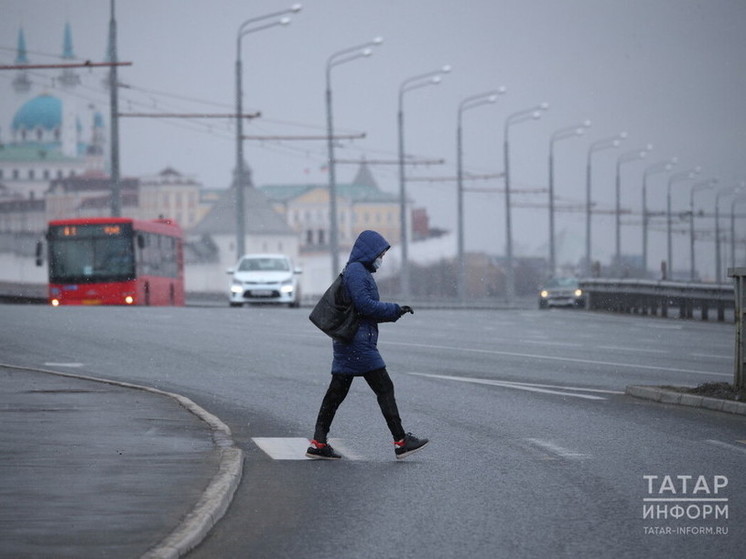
(294, 448)
(285, 448)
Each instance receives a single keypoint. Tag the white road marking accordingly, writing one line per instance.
(711, 356)
(564, 359)
(294, 448)
(721, 444)
(633, 349)
(552, 448)
(71, 365)
(543, 388)
(283, 448)
(548, 343)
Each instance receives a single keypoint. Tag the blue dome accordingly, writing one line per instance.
(43, 111)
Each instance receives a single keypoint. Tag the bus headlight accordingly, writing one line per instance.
(578, 292)
(55, 302)
(544, 294)
(129, 299)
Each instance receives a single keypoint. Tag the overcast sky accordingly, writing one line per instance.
(669, 72)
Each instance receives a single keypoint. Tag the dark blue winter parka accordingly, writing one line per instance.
(361, 355)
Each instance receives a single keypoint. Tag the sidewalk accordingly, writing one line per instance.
(99, 469)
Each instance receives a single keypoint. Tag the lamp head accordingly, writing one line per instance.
(296, 7)
(622, 135)
(435, 80)
(378, 40)
(284, 21)
(544, 106)
(446, 69)
(587, 123)
(366, 52)
(502, 90)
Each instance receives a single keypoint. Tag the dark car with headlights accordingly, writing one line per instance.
(561, 292)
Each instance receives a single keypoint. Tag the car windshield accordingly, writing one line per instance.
(562, 282)
(264, 265)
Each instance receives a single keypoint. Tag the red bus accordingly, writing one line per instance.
(115, 261)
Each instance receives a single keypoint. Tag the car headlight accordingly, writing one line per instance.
(236, 287)
(287, 286)
(578, 292)
(544, 293)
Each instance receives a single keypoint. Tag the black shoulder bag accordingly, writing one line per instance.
(334, 314)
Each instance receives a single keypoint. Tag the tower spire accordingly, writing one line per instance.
(21, 83)
(68, 78)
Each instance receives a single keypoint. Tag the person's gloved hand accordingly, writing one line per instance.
(406, 309)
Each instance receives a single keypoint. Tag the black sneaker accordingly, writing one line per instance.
(408, 445)
(322, 451)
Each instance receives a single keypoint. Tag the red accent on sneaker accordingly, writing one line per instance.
(400, 443)
(317, 444)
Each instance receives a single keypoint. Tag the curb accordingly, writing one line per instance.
(683, 399)
(218, 495)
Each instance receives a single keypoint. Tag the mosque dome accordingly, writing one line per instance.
(44, 111)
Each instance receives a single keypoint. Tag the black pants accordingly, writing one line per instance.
(380, 382)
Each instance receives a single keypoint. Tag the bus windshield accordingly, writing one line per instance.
(90, 254)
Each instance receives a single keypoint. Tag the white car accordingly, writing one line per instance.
(265, 278)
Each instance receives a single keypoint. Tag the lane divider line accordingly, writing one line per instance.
(556, 449)
(521, 386)
(551, 358)
(727, 446)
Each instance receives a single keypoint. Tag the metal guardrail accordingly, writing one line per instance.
(650, 297)
(739, 278)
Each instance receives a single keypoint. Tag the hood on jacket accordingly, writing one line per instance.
(368, 246)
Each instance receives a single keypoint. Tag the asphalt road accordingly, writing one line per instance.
(535, 449)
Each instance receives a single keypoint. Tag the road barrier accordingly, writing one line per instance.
(739, 277)
(650, 297)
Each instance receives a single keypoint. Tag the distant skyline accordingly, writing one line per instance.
(668, 72)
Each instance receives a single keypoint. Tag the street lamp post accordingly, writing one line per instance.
(116, 195)
(598, 145)
(628, 157)
(736, 200)
(718, 258)
(561, 134)
(676, 177)
(662, 167)
(340, 57)
(705, 185)
(468, 103)
(247, 27)
(521, 116)
(415, 82)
